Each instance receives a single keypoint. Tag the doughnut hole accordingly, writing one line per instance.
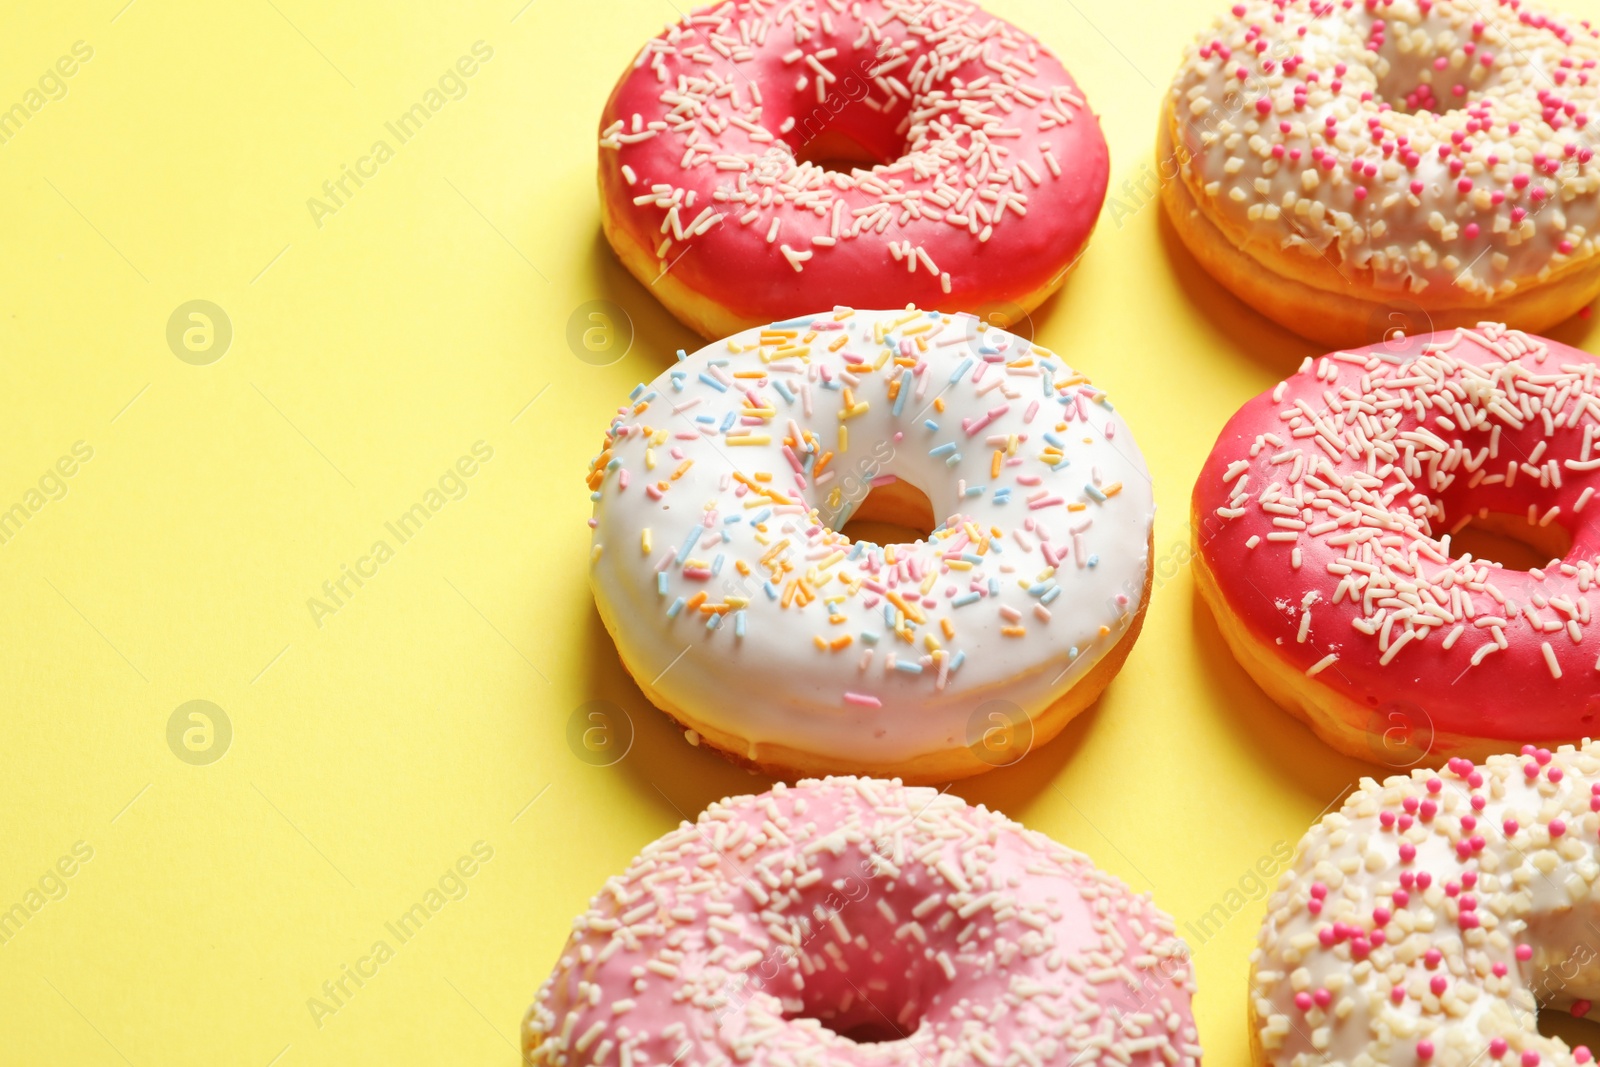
(867, 985)
(841, 133)
(1423, 69)
(894, 512)
(836, 151)
(1509, 540)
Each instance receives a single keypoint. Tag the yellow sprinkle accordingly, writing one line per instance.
(844, 437)
(750, 439)
(644, 541)
(843, 340)
(594, 554)
(830, 561)
(1113, 489)
(931, 642)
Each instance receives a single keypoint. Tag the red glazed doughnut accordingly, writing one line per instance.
(982, 169)
(1323, 526)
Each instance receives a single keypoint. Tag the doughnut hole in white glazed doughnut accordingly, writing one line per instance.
(741, 610)
(1335, 163)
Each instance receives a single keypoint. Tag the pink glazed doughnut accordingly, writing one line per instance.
(850, 921)
(979, 170)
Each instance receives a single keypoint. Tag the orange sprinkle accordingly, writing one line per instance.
(949, 631)
(1014, 631)
(994, 464)
(841, 642)
(696, 600)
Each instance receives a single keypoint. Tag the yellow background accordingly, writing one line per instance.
(430, 711)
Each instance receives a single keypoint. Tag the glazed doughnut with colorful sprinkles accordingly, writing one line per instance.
(761, 160)
(1324, 521)
(742, 611)
(1430, 919)
(1347, 167)
(851, 922)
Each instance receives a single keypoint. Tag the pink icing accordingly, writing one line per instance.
(997, 168)
(1430, 424)
(936, 932)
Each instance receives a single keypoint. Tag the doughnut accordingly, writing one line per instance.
(740, 608)
(854, 921)
(1426, 921)
(1323, 521)
(1352, 169)
(972, 169)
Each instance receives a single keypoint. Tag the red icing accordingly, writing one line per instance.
(1511, 693)
(1023, 92)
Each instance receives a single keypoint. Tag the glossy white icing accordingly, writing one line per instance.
(734, 598)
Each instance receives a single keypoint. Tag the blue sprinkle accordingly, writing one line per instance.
(966, 365)
(682, 355)
(716, 564)
(966, 598)
(688, 545)
(634, 394)
(726, 537)
(738, 623)
(714, 621)
(994, 587)
(771, 590)
(1094, 493)
(1038, 588)
(614, 464)
(868, 637)
(957, 660)
(972, 558)
(890, 616)
(856, 550)
(732, 519)
(804, 320)
(905, 391)
(677, 606)
(995, 546)
(834, 385)
(942, 450)
(953, 460)
(727, 422)
(761, 516)
(908, 666)
(1002, 495)
(975, 490)
(1072, 653)
(709, 380)
(1063, 463)
(1094, 561)
(930, 424)
(708, 419)
(594, 496)
(1054, 440)
(783, 390)
(1054, 592)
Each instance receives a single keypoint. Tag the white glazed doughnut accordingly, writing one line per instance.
(1350, 167)
(1423, 922)
(743, 613)
(777, 926)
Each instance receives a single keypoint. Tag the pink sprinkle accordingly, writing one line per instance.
(1530, 1058)
(1557, 827)
(863, 700)
(1497, 1047)
(1580, 1008)
(1424, 1050)
(1302, 1000)
(1524, 953)
(1510, 827)
(1397, 995)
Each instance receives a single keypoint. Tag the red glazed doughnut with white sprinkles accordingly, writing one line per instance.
(978, 169)
(1349, 167)
(1323, 524)
(779, 929)
(1428, 920)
